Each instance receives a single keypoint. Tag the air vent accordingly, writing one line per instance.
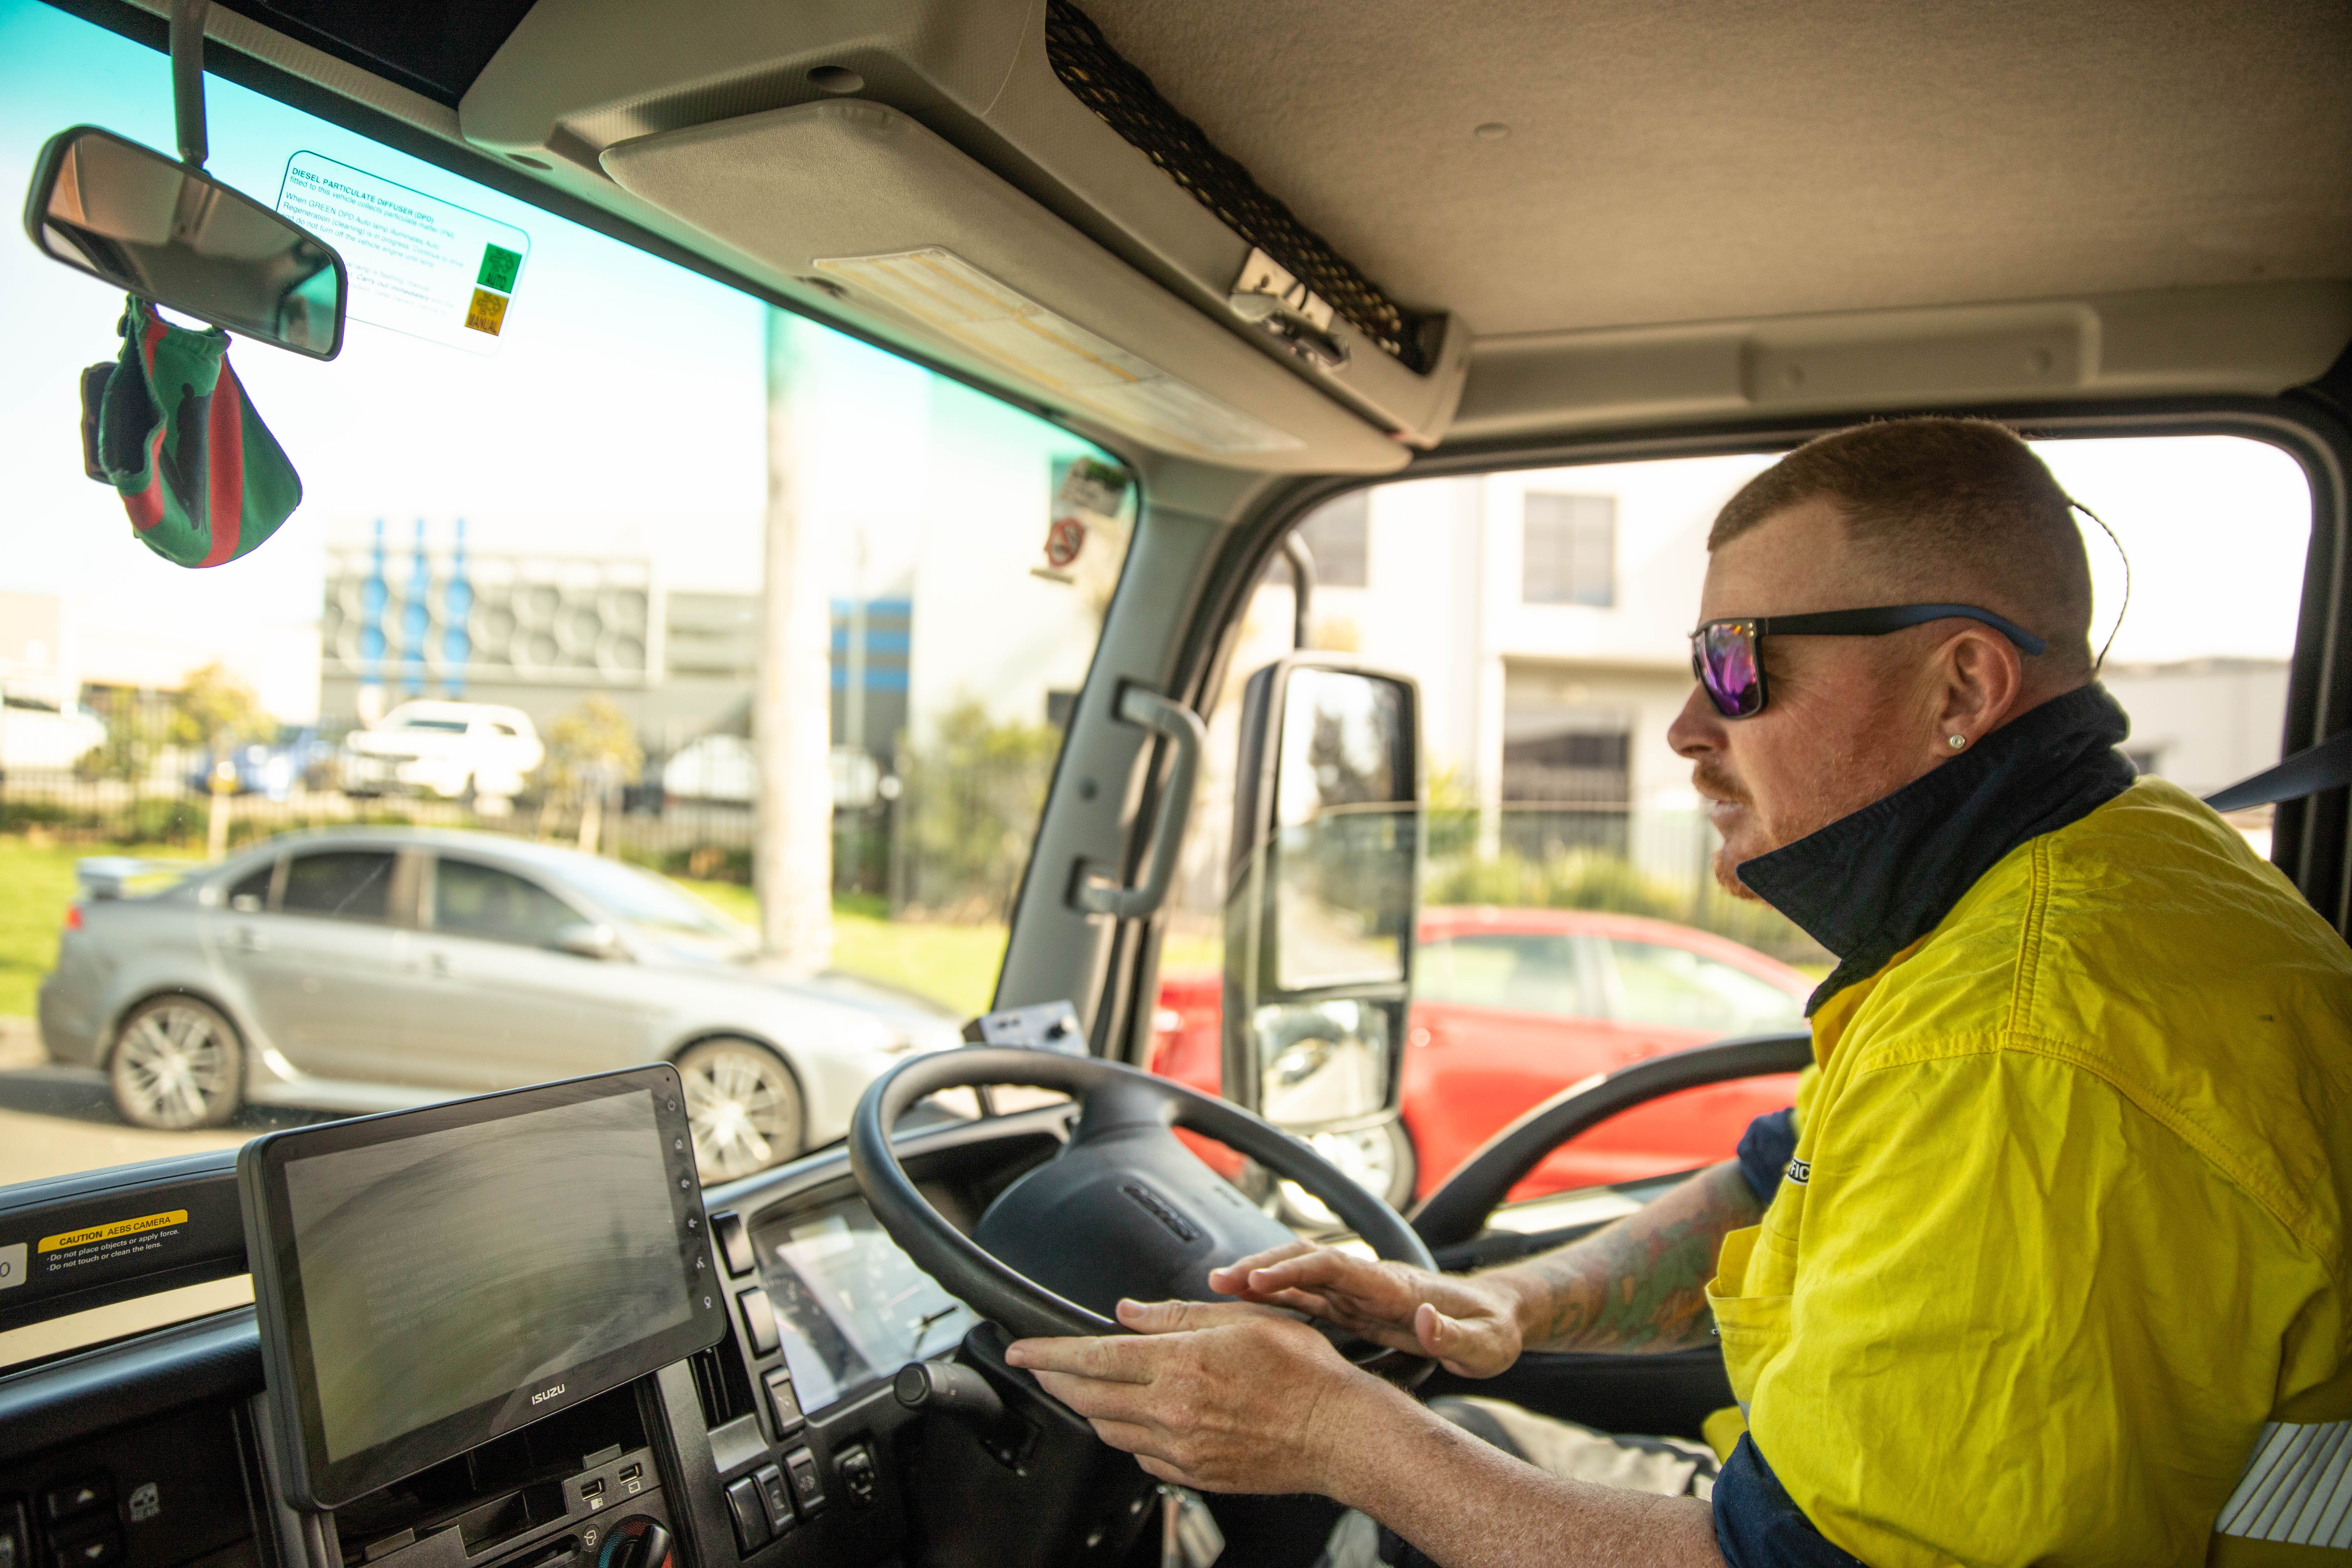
(1124, 99)
(720, 1383)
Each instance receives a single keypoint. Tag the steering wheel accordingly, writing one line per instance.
(1458, 1210)
(1124, 1209)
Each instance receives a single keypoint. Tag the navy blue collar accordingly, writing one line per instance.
(1872, 883)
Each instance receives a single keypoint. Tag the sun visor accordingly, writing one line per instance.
(890, 219)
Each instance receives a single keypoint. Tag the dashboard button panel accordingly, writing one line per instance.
(808, 1486)
(759, 1321)
(89, 1551)
(734, 1243)
(750, 1513)
(775, 1497)
(783, 1404)
(858, 1478)
(79, 1496)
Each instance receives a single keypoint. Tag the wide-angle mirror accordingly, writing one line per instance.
(169, 232)
(1318, 950)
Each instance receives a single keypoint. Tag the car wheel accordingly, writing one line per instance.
(1380, 1158)
(177, 1064)
(743, 1105)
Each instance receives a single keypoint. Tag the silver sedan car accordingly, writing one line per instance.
(370, 970)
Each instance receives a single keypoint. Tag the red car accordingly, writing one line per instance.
(1510, 1007)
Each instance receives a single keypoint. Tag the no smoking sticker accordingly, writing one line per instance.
(1063, 540)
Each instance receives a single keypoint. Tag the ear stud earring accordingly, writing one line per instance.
(1957, 741)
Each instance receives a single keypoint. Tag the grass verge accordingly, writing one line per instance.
(37, 883)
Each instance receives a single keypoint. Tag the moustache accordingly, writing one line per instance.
(1709, 778)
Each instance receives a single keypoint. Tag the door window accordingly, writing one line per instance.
(1673, 988)
(1544, 615)
(250, 896)
(474, 900)
(348, 884)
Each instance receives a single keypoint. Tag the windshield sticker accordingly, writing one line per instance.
(419, 265)
(105, 1243)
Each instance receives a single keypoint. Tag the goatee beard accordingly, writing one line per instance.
(1727, 876)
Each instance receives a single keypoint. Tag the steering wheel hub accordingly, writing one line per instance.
(1125, 1209)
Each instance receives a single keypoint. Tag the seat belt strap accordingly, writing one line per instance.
(2327, 765)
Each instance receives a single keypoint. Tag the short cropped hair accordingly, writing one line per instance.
(1957, 511)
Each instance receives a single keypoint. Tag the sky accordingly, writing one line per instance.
(2215, 528)
(623, 410)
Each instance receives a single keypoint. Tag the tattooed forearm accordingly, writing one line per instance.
(1641, 1284)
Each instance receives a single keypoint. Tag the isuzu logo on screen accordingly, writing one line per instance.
(545, 1394)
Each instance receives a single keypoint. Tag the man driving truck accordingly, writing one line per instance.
(2047, 1264)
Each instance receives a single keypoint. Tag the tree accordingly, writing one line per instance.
(218, 712)
(591, 752)
(973, 792)
(136, 729)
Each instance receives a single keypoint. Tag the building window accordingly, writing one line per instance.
(1340, 538)
(1571, 555)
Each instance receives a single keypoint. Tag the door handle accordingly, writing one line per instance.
(251, 941)
(438, 962)
(1097, 891)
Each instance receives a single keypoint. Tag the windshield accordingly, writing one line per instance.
(525, 595)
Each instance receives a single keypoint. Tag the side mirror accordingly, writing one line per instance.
(1324, 894)
(168, 232)
(583, 939)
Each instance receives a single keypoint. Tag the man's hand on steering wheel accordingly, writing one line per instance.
(1468, 1323)
(1221, 1396)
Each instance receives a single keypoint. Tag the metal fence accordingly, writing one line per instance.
(949, 837)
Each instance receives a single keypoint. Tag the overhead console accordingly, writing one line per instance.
(992, 182)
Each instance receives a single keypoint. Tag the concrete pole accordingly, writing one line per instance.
(792, 719)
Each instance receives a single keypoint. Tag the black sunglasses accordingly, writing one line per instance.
(1725, 658)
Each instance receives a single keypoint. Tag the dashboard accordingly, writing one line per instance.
(784, 1444)
(850, 1307)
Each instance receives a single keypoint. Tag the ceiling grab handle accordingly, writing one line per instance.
(1302, 587)
(188, 79)
(1097, 892)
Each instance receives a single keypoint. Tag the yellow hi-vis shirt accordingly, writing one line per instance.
(2058, 1273)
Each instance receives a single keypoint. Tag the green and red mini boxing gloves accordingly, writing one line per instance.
(169, 426)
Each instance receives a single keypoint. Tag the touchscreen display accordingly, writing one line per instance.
(480, 1263)
(851, 1307)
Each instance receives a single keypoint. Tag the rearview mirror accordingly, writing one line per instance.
(1324, 894)
(168, 232)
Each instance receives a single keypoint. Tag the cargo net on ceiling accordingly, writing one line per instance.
(1125, 99)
